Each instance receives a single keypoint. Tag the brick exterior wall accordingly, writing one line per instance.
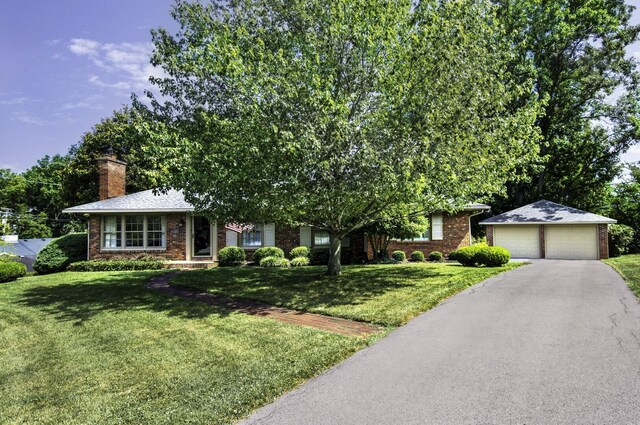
(455, 234)
(603, 241)
(176, 248)
(112, 175)
(542, 245)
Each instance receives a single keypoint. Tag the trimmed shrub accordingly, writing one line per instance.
(300, 261)
(452, 255)
(60, 252)
(231, 256)
(417, 256)
(620, 237)
(300, 251)
(399, 256)
(267, 251)
(8, 257)
(466, 255)
(11, 270)
(274, 262)
(115, 265)
(435, 256)
(492, 256)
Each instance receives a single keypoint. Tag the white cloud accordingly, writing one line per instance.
(126, 65)
(21, 100)
(26, 118)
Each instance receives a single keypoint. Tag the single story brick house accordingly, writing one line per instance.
(545, 229)
(165, 225)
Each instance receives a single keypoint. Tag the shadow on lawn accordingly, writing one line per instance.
(82, 300)
(305, 288)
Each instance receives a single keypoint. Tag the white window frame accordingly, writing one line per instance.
(253, 246)
(145, 233)
(315, 235)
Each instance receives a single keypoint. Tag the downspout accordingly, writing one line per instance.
(473, 215)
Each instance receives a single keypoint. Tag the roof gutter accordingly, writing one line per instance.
(126, 211)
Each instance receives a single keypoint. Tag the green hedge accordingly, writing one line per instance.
(8, 257)
(482, 255)
(274, 262)
(60, 252)
(268, 251)
(417, 256)
(436, 256)
(11, 270)
(620, 237)
(399, 256)
(115, 265)
(300, 251)
(231, 256)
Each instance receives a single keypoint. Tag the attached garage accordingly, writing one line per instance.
(546, 229)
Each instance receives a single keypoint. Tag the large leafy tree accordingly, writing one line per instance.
(625, 203)
(575, 52)
(116, 134)
(331, 114)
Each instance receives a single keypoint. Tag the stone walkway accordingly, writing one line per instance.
(317, 321)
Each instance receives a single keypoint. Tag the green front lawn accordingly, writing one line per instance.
(78, 348)
(629, 268)
(389, 295)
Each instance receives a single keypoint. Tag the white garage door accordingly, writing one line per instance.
(571, 242)
(521, 241)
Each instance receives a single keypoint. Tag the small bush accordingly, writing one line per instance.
(60, 252)
(231, 256)
(300, 262)
(492, 256)
(620, 237)
(435, 256)
(115, 265)
(268, 251)
(274, 262)
(399, 256)
(417, 256)
(452, 255)
(11, 270)
(8, 257)
(300, 251)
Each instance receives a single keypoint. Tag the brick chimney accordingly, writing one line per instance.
(112, 176)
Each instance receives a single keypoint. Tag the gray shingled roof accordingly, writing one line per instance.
(145, 201)
(547, 212)
(25, 247)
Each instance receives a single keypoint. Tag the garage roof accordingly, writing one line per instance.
(544, 211)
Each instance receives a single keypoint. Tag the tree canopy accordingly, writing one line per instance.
(330, 113)
(575, 52)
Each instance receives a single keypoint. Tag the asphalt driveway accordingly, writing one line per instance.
(553, 342)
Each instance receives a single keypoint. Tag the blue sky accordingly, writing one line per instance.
(68, 63)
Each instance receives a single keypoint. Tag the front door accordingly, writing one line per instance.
(201, 237)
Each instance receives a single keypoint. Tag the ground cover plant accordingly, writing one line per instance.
(100, 348)
(385, 294)
(629, 268)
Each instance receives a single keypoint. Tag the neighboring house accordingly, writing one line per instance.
(545, 229)
(26, 249)
(167, 226)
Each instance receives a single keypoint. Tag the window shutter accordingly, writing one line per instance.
(269, 234)
(346, 242)
(305, 236)
(232, 238)
(436, 226)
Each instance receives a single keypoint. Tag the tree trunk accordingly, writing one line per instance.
(334, 268)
